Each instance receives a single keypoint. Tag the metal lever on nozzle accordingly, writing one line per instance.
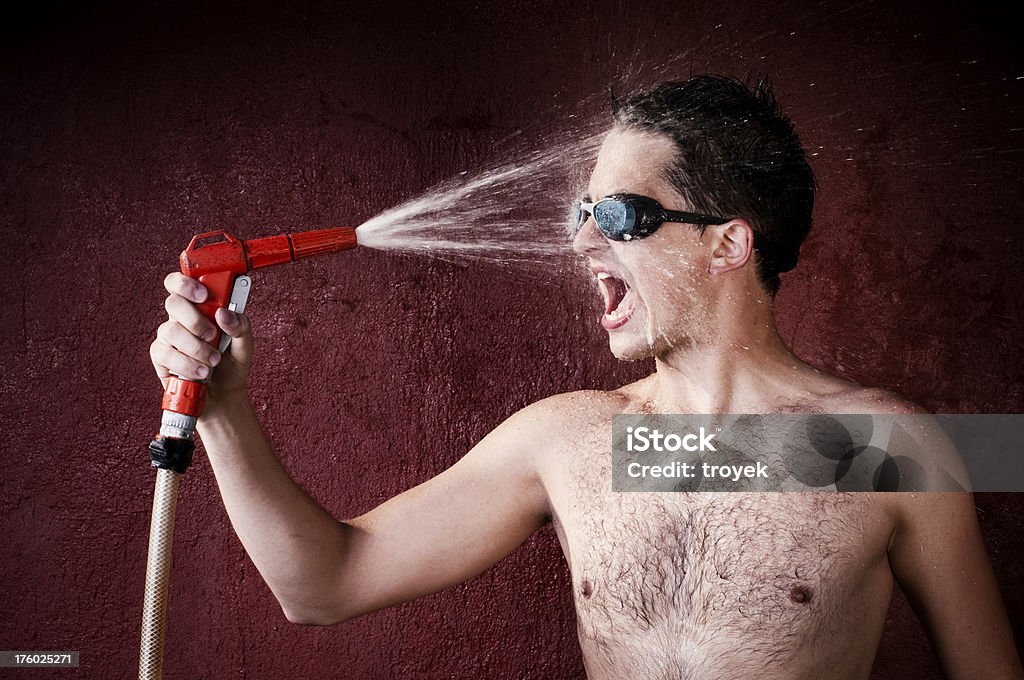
(219, 261)
(236, 303)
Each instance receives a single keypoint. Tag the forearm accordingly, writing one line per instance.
(295, 544)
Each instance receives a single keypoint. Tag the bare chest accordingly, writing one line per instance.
(703, 575)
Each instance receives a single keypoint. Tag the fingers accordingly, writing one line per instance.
(175, 335)
(240, 330)
(184, 312)
(185, 292)
(168, 359)
(234, 324)
(184, 342)
(177, 283)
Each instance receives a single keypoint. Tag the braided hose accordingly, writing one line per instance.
(158, 567)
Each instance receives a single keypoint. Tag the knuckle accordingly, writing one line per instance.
(194, 326)
(205, 331)
(183, 365)
(198, 349)
(180, 284)
(158, 354)
(163, 331)
(183, 340)
(176, 306)
(185, 314)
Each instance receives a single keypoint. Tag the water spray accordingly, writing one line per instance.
(466, 218)
(220, 262)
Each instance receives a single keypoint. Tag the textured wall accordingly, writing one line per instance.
(127, 129)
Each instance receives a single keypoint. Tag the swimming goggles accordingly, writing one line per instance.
(624, 217)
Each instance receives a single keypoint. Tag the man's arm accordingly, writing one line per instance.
(321, 570)
(939, 559)
(428, 538)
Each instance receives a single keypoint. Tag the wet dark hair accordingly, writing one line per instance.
(738, 156)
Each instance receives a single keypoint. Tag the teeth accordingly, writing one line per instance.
(603, 275)
(614, 314)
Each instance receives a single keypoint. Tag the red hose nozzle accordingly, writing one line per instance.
(219, 251)
(216, 259)
(263, 252)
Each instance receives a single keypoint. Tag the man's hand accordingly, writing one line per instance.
(184, 346)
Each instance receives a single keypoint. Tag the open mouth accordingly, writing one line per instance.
(619, 300)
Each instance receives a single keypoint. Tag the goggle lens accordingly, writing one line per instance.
(619, 217)
(614, 218)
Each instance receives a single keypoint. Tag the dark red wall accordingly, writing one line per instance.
(127, 129)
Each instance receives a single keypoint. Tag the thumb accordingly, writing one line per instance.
(238, 327)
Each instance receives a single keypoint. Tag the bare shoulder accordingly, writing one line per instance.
(923, 456)
(849, 397)
(917, 454)
(557, 424)
(570, 411)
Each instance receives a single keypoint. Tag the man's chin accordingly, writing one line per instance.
(629, 348)
(633, 346)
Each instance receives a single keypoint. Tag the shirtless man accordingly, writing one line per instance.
(666, 585)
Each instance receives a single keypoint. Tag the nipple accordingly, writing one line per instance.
(800, 594)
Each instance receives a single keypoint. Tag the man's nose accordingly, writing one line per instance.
(589, 239)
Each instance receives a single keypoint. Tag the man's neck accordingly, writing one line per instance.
(740, 368)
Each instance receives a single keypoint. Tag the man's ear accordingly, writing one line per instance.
(732, 245)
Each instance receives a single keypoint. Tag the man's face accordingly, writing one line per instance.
(654, 289)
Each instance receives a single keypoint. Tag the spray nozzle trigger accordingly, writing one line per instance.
(236, 304)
